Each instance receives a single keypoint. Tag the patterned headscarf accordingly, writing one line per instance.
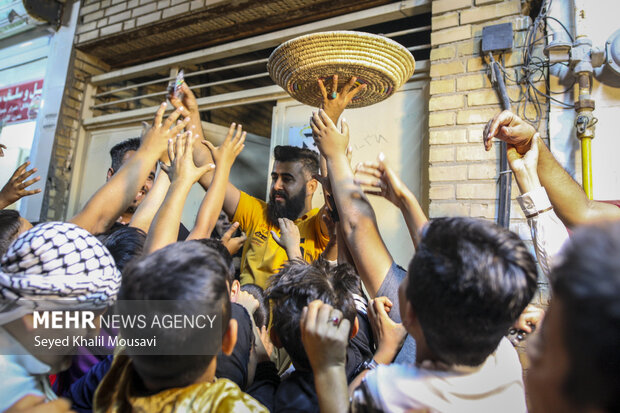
(56, 266)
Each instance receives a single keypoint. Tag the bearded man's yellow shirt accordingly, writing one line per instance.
(262, 256)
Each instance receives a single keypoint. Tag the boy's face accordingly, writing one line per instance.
(550, 364)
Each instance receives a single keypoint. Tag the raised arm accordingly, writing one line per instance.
(183, 174)
(202, 155)
(16, 187)
(325, 336)
(387, 184)
(109, 202)
(357, 218)
(211, 205)
(143, 217)
(567, 196)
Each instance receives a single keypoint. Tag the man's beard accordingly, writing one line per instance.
(291, 208)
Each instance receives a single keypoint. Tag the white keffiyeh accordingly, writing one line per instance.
(56, 265)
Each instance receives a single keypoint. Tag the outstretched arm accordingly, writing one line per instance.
(183, 174)
(358, 222)
(109, 202)
(211, 205)
(567, 197)
(387, 184)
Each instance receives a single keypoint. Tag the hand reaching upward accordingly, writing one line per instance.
(511, 129)
(335, 102)
(328, 139)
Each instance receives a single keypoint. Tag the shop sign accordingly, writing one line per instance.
(20, 102)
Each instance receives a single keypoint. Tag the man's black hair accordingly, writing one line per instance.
(308, 158)
(218, 246)
(261, 314)
(297, 285)
(119, 150)
(468, 282)
(189, 272)
(124, 243)
(587, 284)
(9, 228)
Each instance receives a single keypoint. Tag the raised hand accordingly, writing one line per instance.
(182, 167)
(382, 179)
(525, 167)
(510, 128)
(155, 140)
(388, 334)
(233, 244)
(289, 238)
(247, 301)
(335, 102)
(328, 139)
(325, 335)
(16, 187)
(188, 105)
(225, 154)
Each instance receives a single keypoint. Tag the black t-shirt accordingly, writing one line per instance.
(296, 393)
(235, 366)
(360, 347)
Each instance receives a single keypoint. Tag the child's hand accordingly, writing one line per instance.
(233, 244)
(388, 334)
(225, 154)
(16, 187)
(289, 238)
(182, 166)
(155, 140)
(328, 139)
(325, 335)
(384, 181)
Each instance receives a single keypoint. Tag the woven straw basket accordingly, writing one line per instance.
(380, 63)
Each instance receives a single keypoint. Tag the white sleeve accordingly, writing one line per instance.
(548, 232)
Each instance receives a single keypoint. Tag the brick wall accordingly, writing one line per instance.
(102, 18)
(462, 176)
(55, 200)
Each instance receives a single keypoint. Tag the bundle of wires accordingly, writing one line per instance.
(535, 69)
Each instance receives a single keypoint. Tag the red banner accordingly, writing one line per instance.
(20, 102)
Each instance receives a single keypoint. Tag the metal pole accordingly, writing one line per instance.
(505, 177)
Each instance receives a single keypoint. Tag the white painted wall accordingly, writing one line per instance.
(601, 21)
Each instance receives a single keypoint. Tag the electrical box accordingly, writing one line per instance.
(497, 38)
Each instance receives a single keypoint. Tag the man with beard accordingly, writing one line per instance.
(292, 188)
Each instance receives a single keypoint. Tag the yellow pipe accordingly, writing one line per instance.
(586, 166)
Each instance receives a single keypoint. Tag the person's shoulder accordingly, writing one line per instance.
(233, 399)
(296, 393)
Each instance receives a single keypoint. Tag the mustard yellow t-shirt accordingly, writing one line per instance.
(262, 256)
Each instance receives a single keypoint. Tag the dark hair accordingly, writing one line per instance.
(468, 282)
(124, 243)
(261, 314)
(9, 228)
(189, 272)
(119, 150)
(587, 283)
(297, 285)
(218, 245)
(308, 158)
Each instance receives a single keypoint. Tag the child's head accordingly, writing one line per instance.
(297, 285)
(188, 272)
(233, 284)
(124, 243)
(11, 225)
(467, 284)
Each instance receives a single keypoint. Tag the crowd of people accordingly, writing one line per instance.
(316, 315)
